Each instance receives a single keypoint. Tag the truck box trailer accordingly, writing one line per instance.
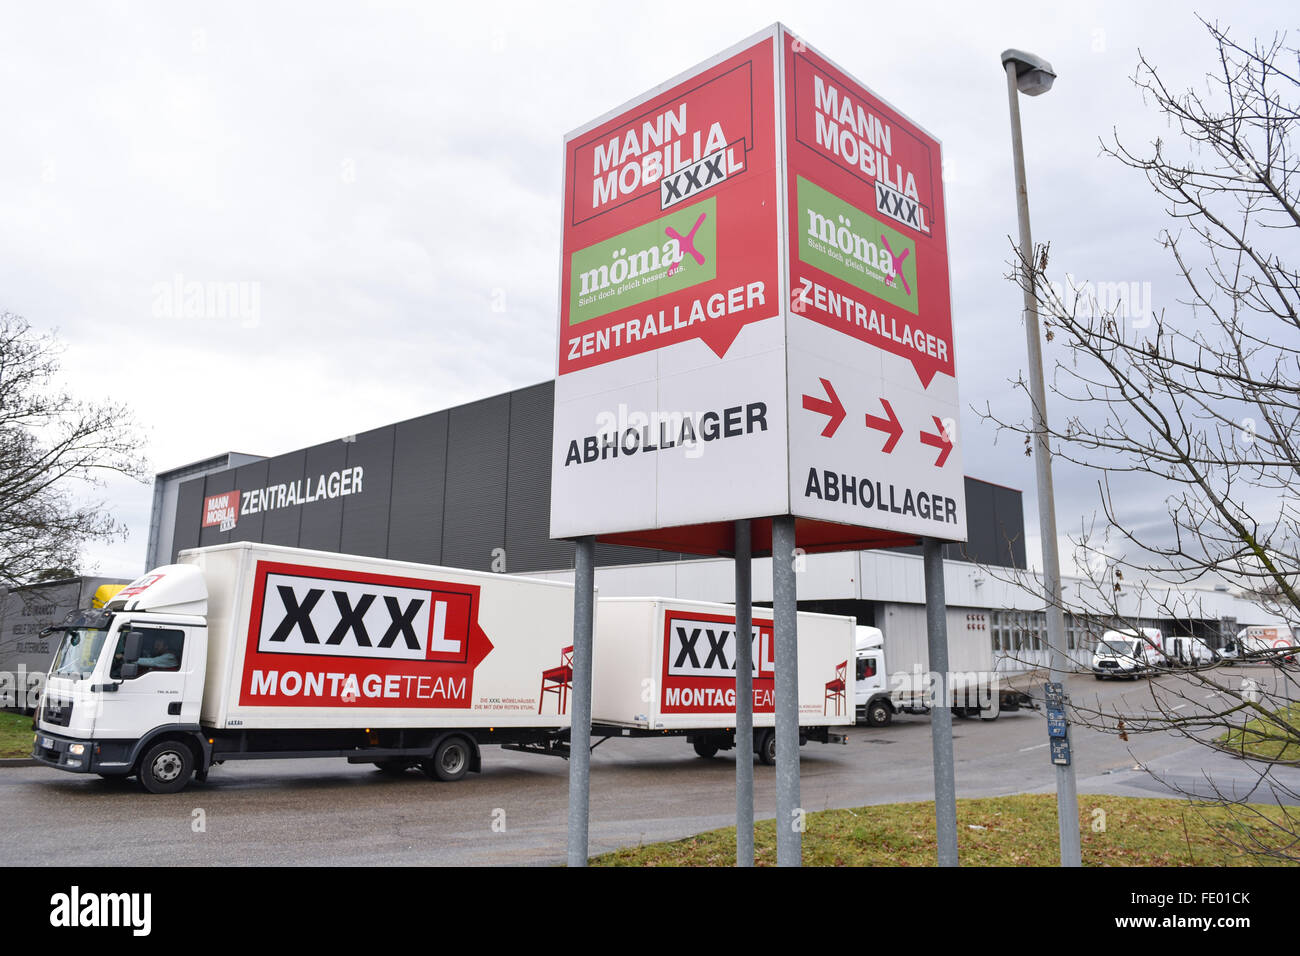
(668, 666)
(246, 651)
(250, 651)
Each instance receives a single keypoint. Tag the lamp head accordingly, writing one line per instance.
(1034, 75)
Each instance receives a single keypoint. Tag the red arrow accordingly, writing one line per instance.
(939, 441)
(834, 408)
(889, 425)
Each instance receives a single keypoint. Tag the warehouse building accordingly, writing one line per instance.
(469, 487)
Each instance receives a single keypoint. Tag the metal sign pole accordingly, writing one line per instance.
(936, 627)
(584, 607)
(744, 699)
(789, 822)
(1067, 797)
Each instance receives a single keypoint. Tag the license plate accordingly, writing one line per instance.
(47, 743)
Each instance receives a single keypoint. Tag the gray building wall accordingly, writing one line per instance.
(166, 491)
(469, 487)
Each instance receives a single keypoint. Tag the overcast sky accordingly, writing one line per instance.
(383, 178)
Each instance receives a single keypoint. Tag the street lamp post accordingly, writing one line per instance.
(1033, 76)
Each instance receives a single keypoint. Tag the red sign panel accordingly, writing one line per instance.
(867, 224)
(699, 666)
(670, 223)
(320, 637)
(221, 510)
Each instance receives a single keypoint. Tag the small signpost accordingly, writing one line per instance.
(1058, 729)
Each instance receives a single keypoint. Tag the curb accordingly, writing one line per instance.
(19, 762)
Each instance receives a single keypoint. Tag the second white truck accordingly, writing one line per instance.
(893, 677)
(664, 665)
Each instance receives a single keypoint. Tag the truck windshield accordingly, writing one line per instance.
(1117, 648)
(79, 652)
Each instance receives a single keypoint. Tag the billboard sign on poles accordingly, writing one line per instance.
(754, 312)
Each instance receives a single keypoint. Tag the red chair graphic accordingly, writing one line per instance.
(835, 688)
(560, 680)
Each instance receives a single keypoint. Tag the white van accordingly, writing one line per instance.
(1188, 652)
(1126, 653)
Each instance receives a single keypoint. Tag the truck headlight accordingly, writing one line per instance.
(77, 750)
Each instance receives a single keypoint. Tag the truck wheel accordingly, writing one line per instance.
(166, 767)
(767, 747)
(879, 714)
(450, 761)
(705, 747)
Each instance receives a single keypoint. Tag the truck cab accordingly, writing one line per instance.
(126, 683)
(872, 699)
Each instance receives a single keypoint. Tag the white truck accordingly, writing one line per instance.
(893, 676)
(1261, 643)
(246, 651)
(250, 651)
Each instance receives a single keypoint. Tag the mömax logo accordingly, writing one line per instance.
(852, 245)
(645, 262)
(632, 265)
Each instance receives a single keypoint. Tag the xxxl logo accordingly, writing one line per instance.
(895, 205)
(340, 618)
(702, 648)
(695, 178)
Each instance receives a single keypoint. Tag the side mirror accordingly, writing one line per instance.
(131, 655)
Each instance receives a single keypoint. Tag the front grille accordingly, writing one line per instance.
(1108, 663)
(56, 712)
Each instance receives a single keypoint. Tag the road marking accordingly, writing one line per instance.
(1034, 747)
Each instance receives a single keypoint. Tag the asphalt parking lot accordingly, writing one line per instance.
(327, 812)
